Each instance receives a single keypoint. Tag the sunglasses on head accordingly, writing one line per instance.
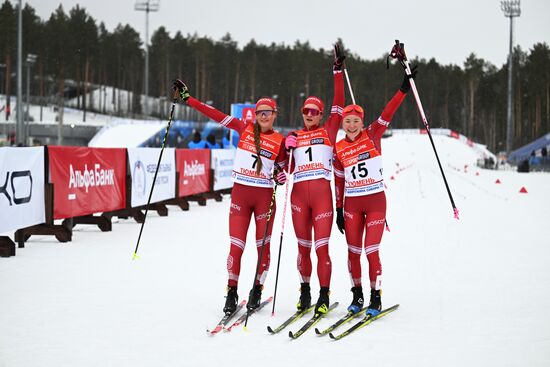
(353, 108)
(310, 111)
(265, 113)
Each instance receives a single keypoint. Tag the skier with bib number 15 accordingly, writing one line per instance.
(360, 198)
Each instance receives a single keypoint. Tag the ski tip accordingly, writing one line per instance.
(317, 331)
(270, 329)
(290, 335)
(332, 336)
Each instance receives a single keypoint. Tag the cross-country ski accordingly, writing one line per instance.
(177, 178)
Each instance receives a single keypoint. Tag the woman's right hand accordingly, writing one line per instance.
(181, 89)
(339, 58)
(290, 141)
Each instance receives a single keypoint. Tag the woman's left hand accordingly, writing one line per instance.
(280, 177)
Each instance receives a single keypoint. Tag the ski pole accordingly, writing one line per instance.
(262, 248)
(353, 101)
(282, 231)
(398, 52)
(339, 56)
(349, 84)
(174, 101)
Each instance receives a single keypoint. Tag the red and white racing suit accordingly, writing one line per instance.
(251, 192)
(358, 176)
(311, 198)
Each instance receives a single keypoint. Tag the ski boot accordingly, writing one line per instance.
(305, 297)
(255, 297)
(375, 305)
(231, 300)
(323, 301)
(357, 303)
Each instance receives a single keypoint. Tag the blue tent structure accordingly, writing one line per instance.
(525, 151)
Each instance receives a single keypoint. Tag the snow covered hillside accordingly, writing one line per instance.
(473, 292)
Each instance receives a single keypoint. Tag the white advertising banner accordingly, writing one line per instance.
(21, 188)
(143, 163)
(222, 163)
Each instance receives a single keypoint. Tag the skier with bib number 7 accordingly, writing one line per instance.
(259, 162)
(311, 198)
(360, 198)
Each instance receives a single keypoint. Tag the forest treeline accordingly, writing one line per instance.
(77, 53)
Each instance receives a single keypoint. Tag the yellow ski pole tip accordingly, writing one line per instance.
(135, 257)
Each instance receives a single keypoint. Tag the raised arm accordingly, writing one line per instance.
(333, 122)
(207, 110)
(377, 128)
(216, 115)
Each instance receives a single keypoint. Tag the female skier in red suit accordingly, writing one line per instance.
(358, 178)
(259, 160)
(311, 198)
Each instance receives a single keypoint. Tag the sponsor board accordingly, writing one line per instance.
(21, 187)
(143, 164)
(193, 166)
(222, 163)
(87, 180)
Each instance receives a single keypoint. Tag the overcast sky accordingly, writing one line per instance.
(446, 30)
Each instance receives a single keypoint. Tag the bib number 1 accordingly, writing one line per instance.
(308, 151)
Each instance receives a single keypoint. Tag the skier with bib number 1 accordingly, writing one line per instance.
(311, 197)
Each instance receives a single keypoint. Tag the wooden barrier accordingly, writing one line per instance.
(7, 247)
(63, 232)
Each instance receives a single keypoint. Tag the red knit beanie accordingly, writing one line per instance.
(316, 101)
(266, 101)
(354, 110)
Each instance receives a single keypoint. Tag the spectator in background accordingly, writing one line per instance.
(534, 160)
(226, 142)
(211, 142)
(544, 152)
(197, 142)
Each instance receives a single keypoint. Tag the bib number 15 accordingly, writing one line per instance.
(359, 171)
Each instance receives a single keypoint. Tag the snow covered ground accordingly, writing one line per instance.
(50, 114)
(473, 292)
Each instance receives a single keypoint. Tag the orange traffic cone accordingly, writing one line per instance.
(523, 190)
